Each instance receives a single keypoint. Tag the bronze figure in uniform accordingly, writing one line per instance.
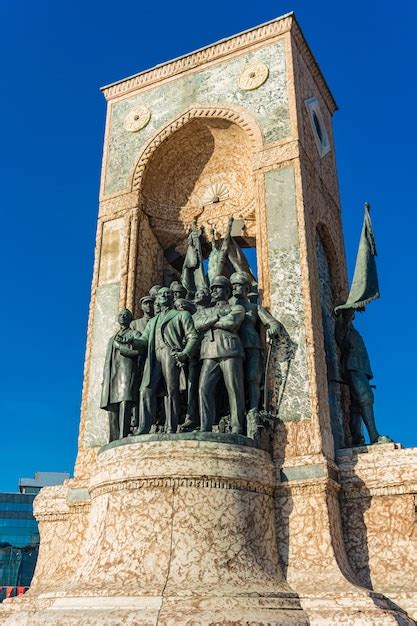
(178, 290)
(146, 304)
(222, 354)
(202, 300)
(255, 315)
(357, 373)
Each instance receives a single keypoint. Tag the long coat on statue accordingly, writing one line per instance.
(119, 376)
(178, 333)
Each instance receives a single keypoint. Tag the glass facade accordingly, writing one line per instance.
(19, 535)
(18, 527)
(19, 541)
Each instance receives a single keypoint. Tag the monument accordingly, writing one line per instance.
(222, 476)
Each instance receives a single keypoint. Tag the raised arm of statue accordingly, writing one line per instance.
(226, 241)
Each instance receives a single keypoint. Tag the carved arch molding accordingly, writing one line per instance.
(206, 150)
(235, 115)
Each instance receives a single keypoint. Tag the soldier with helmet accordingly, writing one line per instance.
(222, 355)
(255, 315)
(178, 290)
(357, 372)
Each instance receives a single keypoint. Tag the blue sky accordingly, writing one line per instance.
(55, 56)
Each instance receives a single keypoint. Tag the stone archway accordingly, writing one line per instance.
(200, 167)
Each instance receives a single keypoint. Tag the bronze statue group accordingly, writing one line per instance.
(196, 356)
(165, 371)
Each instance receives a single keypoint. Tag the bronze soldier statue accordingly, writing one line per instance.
(178, 290)
(254, 315)
(181, 304)
(119, 387)
(138, 325)
(169, 338)
(153, 291)
(357, 373)
(202, 300)
(222, 354)
(146, 304)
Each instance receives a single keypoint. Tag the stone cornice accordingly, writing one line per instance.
(305, 488)
(220, 49)
(187, 482)
(365, 491)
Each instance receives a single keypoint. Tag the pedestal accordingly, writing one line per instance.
(194, 529)
(178, 532)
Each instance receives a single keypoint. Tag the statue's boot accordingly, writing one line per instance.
(369, 419)
(385, 439)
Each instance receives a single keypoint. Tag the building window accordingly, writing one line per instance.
(321, 137)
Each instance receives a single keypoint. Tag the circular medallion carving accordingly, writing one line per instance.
(253, 76)
(137, 119)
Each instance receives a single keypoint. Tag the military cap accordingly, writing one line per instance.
(154, 290)
(221, 281)
(146, 299)
(240, 278)
(177, 286)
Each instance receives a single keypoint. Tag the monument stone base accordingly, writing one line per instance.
(177, 530)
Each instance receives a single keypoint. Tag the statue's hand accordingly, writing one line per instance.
(272, 332)
(180, 357)
(124, 339)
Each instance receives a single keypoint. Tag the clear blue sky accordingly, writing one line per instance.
(55, 56)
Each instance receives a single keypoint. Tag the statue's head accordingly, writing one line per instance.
(241, 284)
(178, 290)
(125, 317)
(153, 291)
(202, 296)
(165, 297)
(181, 304)
(156, 306)
(146, 304)
(220, 288)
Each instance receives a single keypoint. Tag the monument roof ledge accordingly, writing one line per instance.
(219, 49)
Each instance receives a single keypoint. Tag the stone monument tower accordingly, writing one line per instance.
(210, 527)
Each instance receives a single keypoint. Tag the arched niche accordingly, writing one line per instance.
(330, 288)
(201, 170)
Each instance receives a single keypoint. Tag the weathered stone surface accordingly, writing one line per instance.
(106, 308)
(182, 527)
(334, 375)
(268, 104)
(286, 296)
(378, 509)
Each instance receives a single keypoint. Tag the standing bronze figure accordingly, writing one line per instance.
(147, 306)
(169, 339)
(255, 314)
(357, 373)
(222, 355)
(192, 419)
(119, 387)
